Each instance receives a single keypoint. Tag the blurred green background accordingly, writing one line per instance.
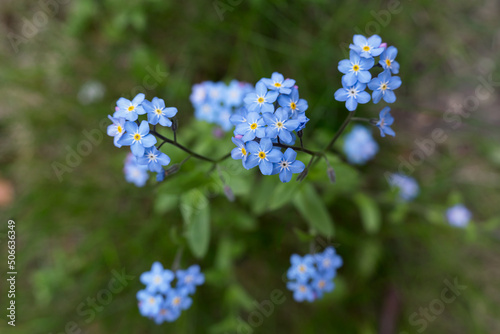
(73, 232)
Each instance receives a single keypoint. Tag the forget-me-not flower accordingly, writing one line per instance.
(356, 69)
(278, 83)
(359, 145)
(157, 113)
(154, 159)
(385, 121)
(261, 100)
(130, 109)
(253, 127)
(117, 129)
(352, 95)
(137, 137)
(158, 279)
(292, 103)
(388, 59)
(383, 87)
(288, 166)
(190, 278)
(263, 155)
(279, 125)
(367, 48)
(458, 215)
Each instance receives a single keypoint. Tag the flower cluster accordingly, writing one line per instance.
(127, 131)
(359, 145)
(159, 300)
(272, 117)
(407, 186)
(312, 275)
(458, 215)
(215, 102)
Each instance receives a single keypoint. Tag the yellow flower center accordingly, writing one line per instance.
(137, 136)
(355, 68)
(383, 87)
(119, 129)
(366, 48)
(243, 151)
(253, 126)
(157, 279)
(388, 62)
(279, 125)
(293, 106)
(131, 108)
(262, 155)
(176, 301)
(277, 84)
(158, 111)
(302, 268)
(321, 284)
(260, 100)
(151, 300)
(302, 288)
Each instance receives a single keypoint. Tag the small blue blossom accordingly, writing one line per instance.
(117, 129)
(383, 87)
(198, 94)
(356, 69)
(239, 117)
(292, 103)
(216, 91)
(263, 155)
(137, 137)
(154, 159)
(288, 166)
(261, 100)
(328, 262)
(367, 48)
(178, 299)
(385, 122)
(190, 278)
(207, 111)
(240, 152)
(388, 59)
(407, 186)
(160, 176)
(322, 284)
(135, 173)
(166, 314)
(253, 127)
(278, 83)
(157, 113)
(359, 145)
(149, 303)
(302, 268)
(352, 95)
(302, 118)
(458, 215)
(279, 125)
(130, 109)
(301, 291)
(158, 279)
(224, 119)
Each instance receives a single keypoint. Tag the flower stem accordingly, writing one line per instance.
(342, 128)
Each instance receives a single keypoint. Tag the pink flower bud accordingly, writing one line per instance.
(116, 108)
(383, 45)
(238, 136)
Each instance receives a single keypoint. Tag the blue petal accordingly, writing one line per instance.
(363, 97)
(285, 136)
(290, 155)
(271, 96)
(351, 104)
(275, 155)
(144, 128)
(341, 95)
(266, 144)
(266, 167)
(389, 96)
(285, 175)
(297, 166)
(253, 147)
(359, 40)
(251, 161)
(138, 99)
(137, 149)
(374, 41)
(349, 79)
(364, 76)
(344, 66)
(395, 83)
(131, 127)
(126, 140)
(260, 89)
(376, 96)
(148, 140)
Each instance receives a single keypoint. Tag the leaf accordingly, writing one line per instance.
(313, 209)
(283, 193)
(195, 210)
(370, 213)
(261, 194)
(165, 203)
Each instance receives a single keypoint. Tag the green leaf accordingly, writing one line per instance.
(370, 213)
(283, 194)
(313, 209)
(165, 203)
(195, 210)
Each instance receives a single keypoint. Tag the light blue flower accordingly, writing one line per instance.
(359, 145)
(301, 291)
(383, 87)
(322, 284)
(240, 116)
(240, 152)
(292, 103)
(190, 278)
(137, 137)
(407, 186)
(279, 125)
(278, 83)
(117, 129)
(253, 127)
(356, 69)
(387, 60)
(328, 262)
(207, 111)
(263, 155)
(288, 166)
(385, 122)
(261, 100)
(130, 109)
(166, 314)
(157, 113)
(224, 118)
(158, 279)
(199, 94)
(302, 267)
(458, 215)
(216, 91)
(178, 299)
(301, 117)
(367, 48)
(149, 303)
(154, 159)
(235, 93)
(135, 173)
(352, 95)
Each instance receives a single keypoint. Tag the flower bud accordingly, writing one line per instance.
(229, 193)
(331, 174)
(175, 124)
(303, 174)
(172, 170)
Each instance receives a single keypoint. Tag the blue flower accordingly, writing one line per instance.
(359, 145)
(117, 129)
(253, 127)
(154, 159)
(385, 122)
(263, 155)
(158, 279)
(278, 83)
(407, 186)
(367, 48)
(190, 278)
(261, 101)
(240, 116)
(328, 262)
(178, 299)
(207, 111)
(149, 303)
(301, 117)
(288, 166)
(356, 69)
(166, 314)
(383, 87)
(322, 284)
(198, 94)
(137, 137)
(352, 95)
(279, 125)
(216, 91)
(157, 113)
(387, 59)
(239, 152)
(302, 268)
(130, 109)
(301, 291)
(292, 104)
(235, 93)
(135, 173)
(224, 119)
(458, 215)
(160, 176)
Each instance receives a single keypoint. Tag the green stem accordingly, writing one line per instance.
(342, 128)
